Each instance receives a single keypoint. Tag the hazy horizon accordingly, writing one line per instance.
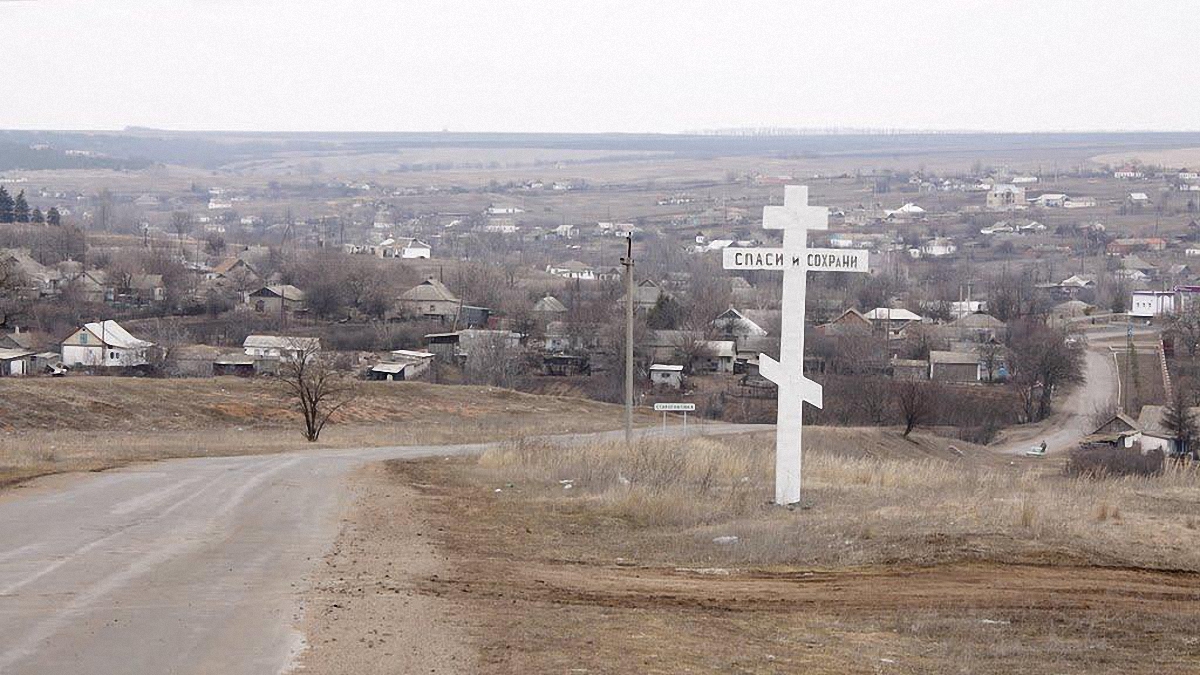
(597, 67)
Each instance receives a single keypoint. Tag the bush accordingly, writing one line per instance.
(1105, 461)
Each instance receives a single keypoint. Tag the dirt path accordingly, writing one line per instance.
(1075, 418)
(365, 612)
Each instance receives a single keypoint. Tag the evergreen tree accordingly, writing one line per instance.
(666, 314)
(53, 217)
(6, 206)
(1179, 420)
(37, 216)
(21, 208)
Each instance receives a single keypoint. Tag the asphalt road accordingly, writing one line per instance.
(180, 566)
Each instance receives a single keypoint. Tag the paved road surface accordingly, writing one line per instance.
(181, 566)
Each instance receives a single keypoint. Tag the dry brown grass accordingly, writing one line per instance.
(675, 498)
(88, 424)
(899, 561)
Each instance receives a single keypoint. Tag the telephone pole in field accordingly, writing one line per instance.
(627, 262)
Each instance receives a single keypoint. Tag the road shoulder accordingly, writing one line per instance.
(366, 610)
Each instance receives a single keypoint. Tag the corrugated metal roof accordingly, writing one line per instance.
(10, 354)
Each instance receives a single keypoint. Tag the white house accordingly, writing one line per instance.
(666, 375)
(566, 231)
(572, 269)
(1147, 304)
(104, 344)
(1052, 200)
(938, 247)
(280, 347)
(402, 247)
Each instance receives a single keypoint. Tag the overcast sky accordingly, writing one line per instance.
(643, 65)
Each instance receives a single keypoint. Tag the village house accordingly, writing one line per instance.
(1079, 203)
(1156, 436)
(732, 323)
(17, 339)
(276, 300)
(1002, 197)
(1120, 431)
(233, 274)
(938, 247)
(1138, 199)
(565, 231)
(645, 296)
(666, 375)
(430, 299)
(279, 348)
(1149, 304)
(572, 269)
(406, 248)
(1052, 200)
(895, 321)
(850, 322)
(38, 280)
(979, 327)
(715, 356)
(141, 289)
(1072, 285)
(104, 344)
(1134, 244)
(549, 308)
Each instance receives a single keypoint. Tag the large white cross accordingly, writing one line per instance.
(795, 260)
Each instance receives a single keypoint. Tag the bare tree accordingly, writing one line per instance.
(492, 359)
(991, 357)
(916, 403)
(1043, 359)
(313, 380)
(870, 398)
(181, 225)
(1186, 326)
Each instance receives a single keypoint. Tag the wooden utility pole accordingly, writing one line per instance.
(627, 261)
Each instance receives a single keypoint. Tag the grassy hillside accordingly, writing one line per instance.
(90, 423)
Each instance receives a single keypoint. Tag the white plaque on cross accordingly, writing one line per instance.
(795, 260)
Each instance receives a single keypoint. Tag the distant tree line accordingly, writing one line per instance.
(16, 210)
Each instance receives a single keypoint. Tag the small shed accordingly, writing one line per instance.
(666, 375)
(16, 362)
(716, 356)
(402, 365)
(954, 367)
(240, 365)
(910, 369)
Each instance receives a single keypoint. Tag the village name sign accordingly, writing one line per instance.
(795, 260)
